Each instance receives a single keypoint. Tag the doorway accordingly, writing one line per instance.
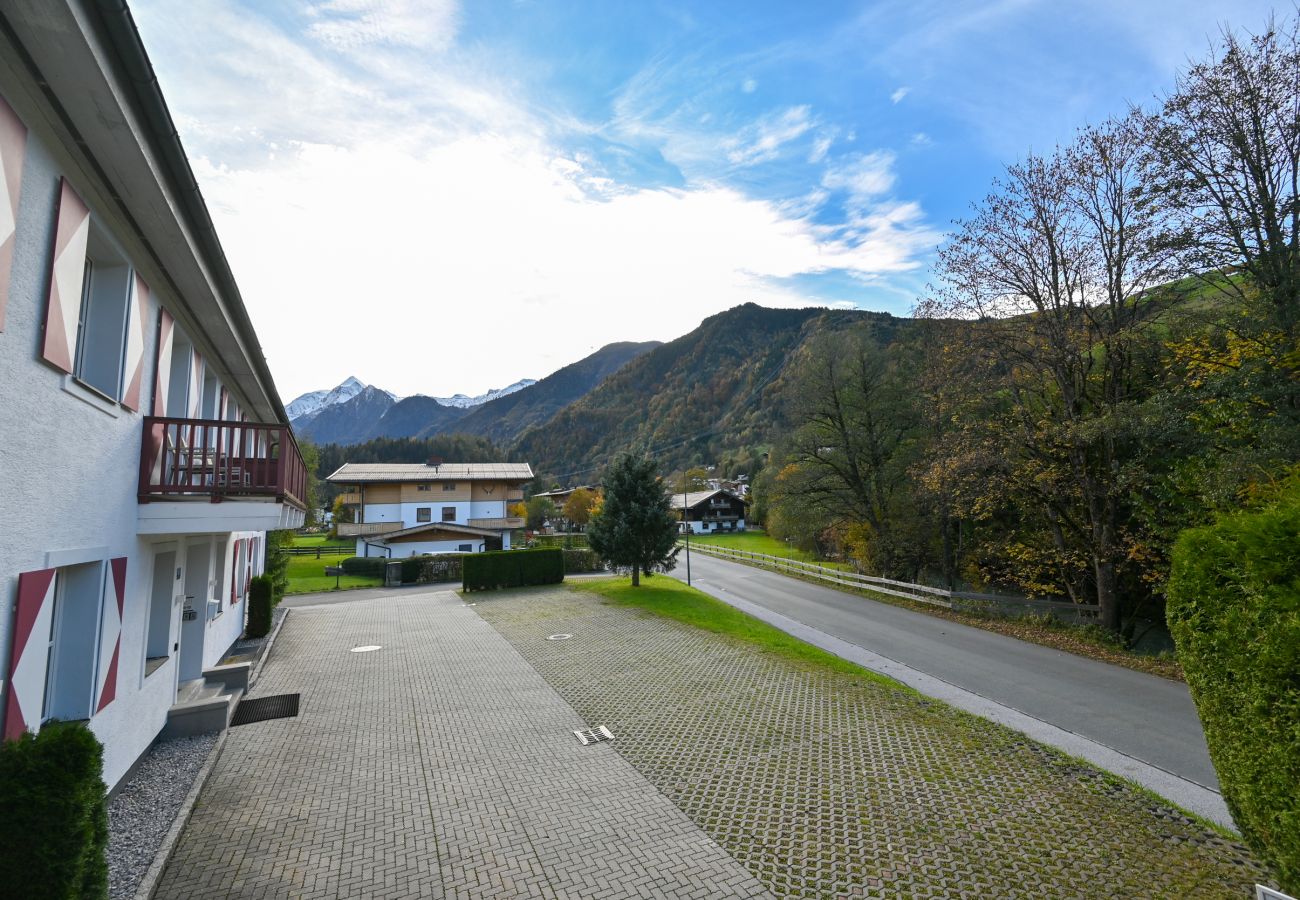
(194, 609)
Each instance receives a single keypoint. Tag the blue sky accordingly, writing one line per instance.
(439, 196)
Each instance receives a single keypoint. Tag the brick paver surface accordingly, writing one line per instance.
(827, 784)
(440, 766)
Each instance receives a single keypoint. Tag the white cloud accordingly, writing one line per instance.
(898, 95)
(864, 176)
(350, 24)
(427, 224)
(821, 146)
(749, 85)
(763, 140)
(921, 139)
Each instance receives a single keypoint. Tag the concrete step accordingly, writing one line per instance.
(207, 704)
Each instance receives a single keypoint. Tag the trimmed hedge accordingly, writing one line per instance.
(54, 831)
(511, 568)
(578, 561)
(260, 600)
(1234, 610)
(372, 566)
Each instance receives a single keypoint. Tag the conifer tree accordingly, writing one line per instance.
(635, 528)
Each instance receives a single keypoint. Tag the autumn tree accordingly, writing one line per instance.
(695, 478)
(537, 511)
(1055, 265)
(635, 528)
(577, 509)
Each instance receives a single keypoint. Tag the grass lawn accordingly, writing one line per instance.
(760, 542)
(319, 540)
(668, 597)
(307, 575)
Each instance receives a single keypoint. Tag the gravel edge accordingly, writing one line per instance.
(149, 884)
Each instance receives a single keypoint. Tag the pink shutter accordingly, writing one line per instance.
(234, 572)
(110, 636)
(13, 146)
(137, 323)
(196, 385)
(28, 655)
(162, 363)
(68, 271)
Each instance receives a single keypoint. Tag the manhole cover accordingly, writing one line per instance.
(260, 709)
(558, 637)
(594, 735)
(367, 648)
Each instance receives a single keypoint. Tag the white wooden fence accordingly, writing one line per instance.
(964, 601)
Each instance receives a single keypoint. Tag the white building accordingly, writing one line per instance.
(407, 509)
(144, 451)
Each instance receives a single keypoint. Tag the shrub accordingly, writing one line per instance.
(1234, 610)
(440, 567)
(54, 831)
(512, 568)
(261, 596)
(372, 566)
(577, 561)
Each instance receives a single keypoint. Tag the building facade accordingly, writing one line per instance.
(401, 509)
(145, 450)
(707, 512)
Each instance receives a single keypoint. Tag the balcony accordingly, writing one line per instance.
(351, 498)
(367, 529)
(251, 475)
(513, 495)
(501, 524)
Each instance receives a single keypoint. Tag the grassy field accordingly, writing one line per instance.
(307, 573)
(759, 542)
(668, 597)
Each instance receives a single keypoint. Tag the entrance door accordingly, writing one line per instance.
(194, 611)
(165, 597)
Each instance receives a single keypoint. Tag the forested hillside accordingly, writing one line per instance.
(714, 394)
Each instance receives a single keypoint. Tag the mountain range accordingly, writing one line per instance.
(719, 394)
(354, 412)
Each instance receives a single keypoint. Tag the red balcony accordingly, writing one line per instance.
(184, 459)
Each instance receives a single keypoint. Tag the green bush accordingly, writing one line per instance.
(1234, 610)
(54, 831)
(578, 561)
(411, 569)
(372, 566)
(261, 597)
(512, 568)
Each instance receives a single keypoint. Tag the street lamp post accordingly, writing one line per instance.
(687, 523)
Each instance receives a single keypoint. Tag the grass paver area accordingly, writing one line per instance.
(825, 781)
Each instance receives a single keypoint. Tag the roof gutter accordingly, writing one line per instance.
(121, 34)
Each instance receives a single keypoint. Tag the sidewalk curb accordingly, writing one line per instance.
(149, 884)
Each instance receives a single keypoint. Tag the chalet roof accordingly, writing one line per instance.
(366, 473)
(435, 526)
(564, 492)
(695, 498)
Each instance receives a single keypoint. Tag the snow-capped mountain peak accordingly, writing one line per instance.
(465, 402)
(315, 401)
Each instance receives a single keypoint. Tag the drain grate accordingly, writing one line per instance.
(260, 709)
(558, 637)
(594, 735)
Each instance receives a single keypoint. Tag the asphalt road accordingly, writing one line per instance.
(1143, 716)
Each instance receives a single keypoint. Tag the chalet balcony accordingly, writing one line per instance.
(367, 529)
(502, 524)
(351, 498)
(513, 495)
(207, 475)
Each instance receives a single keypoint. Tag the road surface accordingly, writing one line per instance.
(1149, 718)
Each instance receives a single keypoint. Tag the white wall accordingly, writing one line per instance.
(465, 510)
(69, 476)
(417, 548)
(700, 527)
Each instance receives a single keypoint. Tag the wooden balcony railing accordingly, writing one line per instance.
(367, 529)
(507, 522)
(350, 498)
(218, 460)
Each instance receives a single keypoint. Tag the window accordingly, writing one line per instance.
(424, 487)
(466, 548)
(102, 322)
(449, 514)
(423, 514)
(73, 642)
(449, 485)
(158, 640)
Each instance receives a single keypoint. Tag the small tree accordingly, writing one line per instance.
(577, 509)
(341, 513)
(518, 510)
(635, 528)
(693, 479)
(538, 510)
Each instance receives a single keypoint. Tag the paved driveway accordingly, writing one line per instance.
(441, 765)
(1143, 716)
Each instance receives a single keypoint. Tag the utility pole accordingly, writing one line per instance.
(685, 485)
